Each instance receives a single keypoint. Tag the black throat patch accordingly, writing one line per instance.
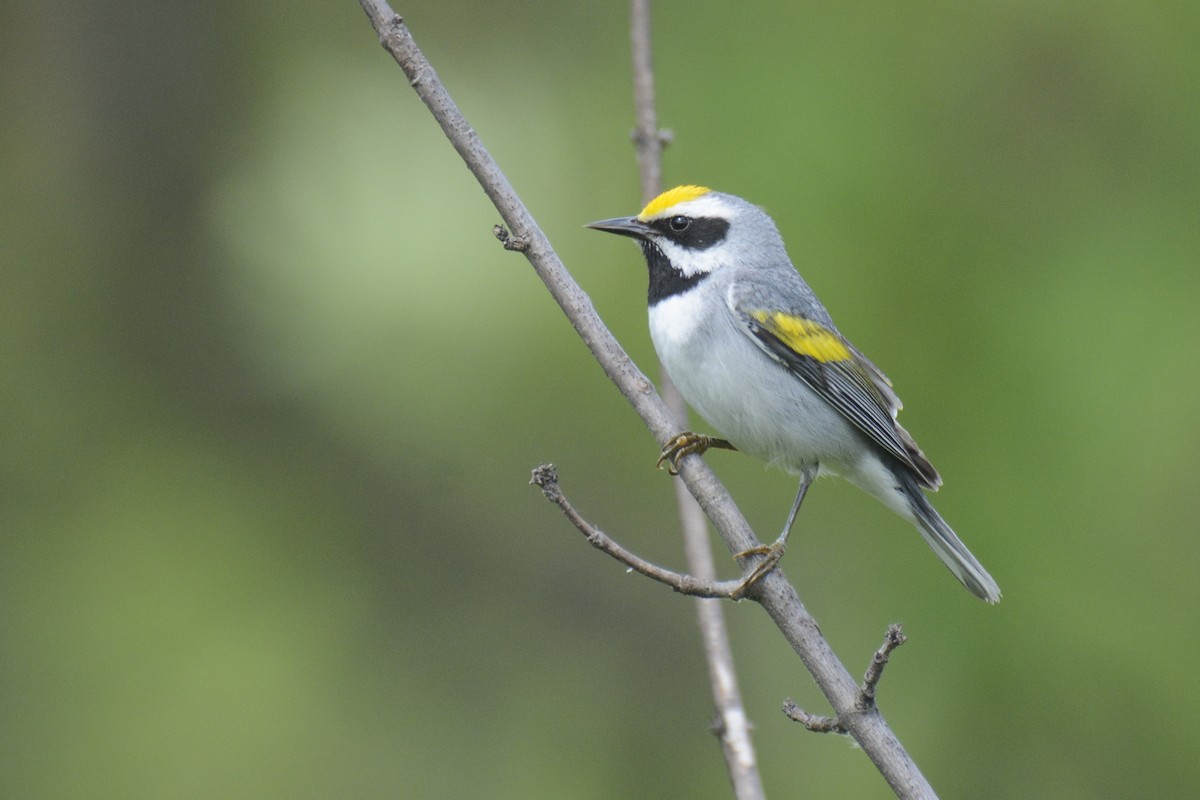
(665, 279)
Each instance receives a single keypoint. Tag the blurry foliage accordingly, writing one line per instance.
(272, 394)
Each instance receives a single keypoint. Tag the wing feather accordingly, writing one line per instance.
(843, 377)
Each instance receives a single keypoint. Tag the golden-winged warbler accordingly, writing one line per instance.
(752, 350)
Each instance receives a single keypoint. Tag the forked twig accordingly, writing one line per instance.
(866, 693)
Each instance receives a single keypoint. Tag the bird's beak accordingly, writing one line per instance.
(625, 226)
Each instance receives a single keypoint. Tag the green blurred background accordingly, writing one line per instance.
(272, 394)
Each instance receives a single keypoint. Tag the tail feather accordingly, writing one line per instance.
(949, 548)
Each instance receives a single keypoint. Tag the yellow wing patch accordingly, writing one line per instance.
(803, 336)
(671, 197)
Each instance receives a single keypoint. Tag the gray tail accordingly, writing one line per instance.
(953, 553)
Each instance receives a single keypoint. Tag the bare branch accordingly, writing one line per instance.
(777, 597)
(509, 241)
(648, 140)
(545, 477)
(733, 724)
(815, 723)
(866, 694)
(891, 640)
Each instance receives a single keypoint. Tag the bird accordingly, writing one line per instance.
(757, 355)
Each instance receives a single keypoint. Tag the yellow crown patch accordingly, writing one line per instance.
(671, 197)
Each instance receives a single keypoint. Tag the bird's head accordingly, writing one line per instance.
(692, 231)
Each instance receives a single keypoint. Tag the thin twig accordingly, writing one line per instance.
(866, 693)
(732, 725)
(509, 241)
(545, 478)
(777, 597)
(814, 722)
(891, 640)
(647, 139)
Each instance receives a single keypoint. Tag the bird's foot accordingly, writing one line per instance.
(686, 444)
(771, 553)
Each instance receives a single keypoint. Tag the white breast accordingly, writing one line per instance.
(746, 395)
(707, 356)
(674, 322)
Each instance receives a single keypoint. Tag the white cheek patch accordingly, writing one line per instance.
(692, 262)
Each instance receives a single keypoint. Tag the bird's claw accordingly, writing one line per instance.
(686, 444)
(772, 553)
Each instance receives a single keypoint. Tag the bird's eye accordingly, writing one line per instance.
(680, 224)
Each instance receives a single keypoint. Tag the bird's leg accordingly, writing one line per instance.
(686, 444)
(773, 552)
